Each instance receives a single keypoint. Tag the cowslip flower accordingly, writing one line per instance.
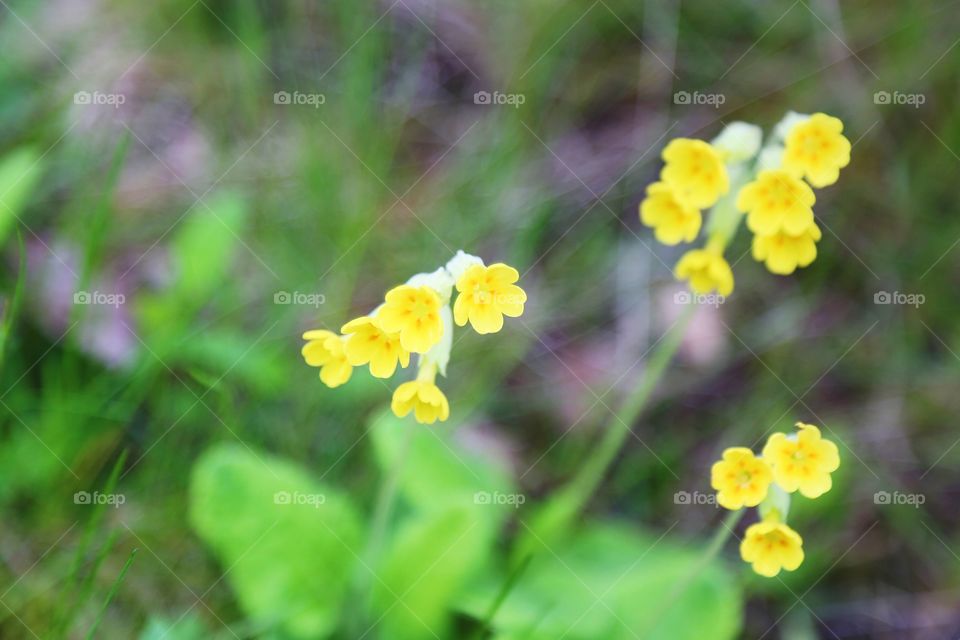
(672, 218)
(817, 149)
(367, 342)
(741, 479)
(782, 252)
(486, 294)
(770, 546)
(424, 398)
(696, 171)
(803, 461)
(325, 349)
(414, 314)
(706, 270)
(777, 201)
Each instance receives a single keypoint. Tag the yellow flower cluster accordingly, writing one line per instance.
(415, 318)
(798, 462)
(733, 176)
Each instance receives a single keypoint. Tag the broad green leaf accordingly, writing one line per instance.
(19, 172)
(205, 242)
(437, 472)
(612, 582)
(289, 543)
(428, 562)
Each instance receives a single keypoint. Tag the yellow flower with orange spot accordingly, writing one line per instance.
(777, 201)
(673, 219)
(803, 461)
(770, 546)
(696, 171)
(367, 342)
(485, 295)
(414, 314)
(741, 479)
(816, 149)
(325, 349)
(706, 270)
(783, 252)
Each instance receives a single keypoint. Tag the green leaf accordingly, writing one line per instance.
(430, 560)
(188, 628)
(610, 581)
(289, 543)
(203, 246)
(438, 473)
(19, 172)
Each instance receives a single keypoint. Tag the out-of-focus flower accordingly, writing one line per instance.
(696, 171)
(770, 546)
(486, 294)
(777, 201)
(367, 342)
(783, 253)
(803, 461)
(673, 220)
(706, 271)
(740, 478)
(817, 149)
(325, 349)
(414, 314)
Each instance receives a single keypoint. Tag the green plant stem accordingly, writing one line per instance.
(591, 473)
(716, 543)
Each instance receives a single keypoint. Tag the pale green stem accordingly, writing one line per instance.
(713, 548)
(591, 473)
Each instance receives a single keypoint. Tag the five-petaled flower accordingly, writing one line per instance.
(740, 478)
(367, 342)
(486, 294)
(672, 218)
(414, 313)
(817, 149)
(777, 201)
(696, 171)
(803, 461)
(706, 270)
(422, 397)
(770, 546)
(783, 252)
(325, 349)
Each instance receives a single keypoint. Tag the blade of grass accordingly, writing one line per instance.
(113, 592)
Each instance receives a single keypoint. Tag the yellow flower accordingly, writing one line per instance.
(367, 342)
(324, 349)
(422, 397)
(695, 169)
(777, 201)
(486, 294)
(741, 479)
(706, 270)
(673, 220)
(771, 546)
(414, 313)
(803, 462)
(817, 149)
(783, 253)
